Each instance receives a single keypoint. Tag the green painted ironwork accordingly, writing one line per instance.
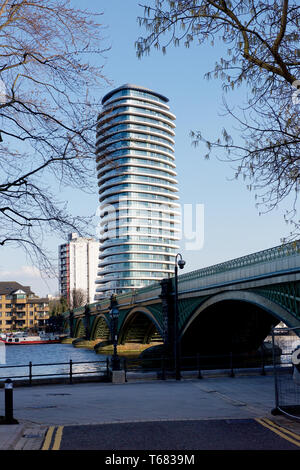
(287, 295)
(79, 329)
(100, 329)
(271, 254)
(156, 311)
(186, 307)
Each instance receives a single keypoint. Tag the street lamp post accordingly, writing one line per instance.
(181, 263)
(114, 315)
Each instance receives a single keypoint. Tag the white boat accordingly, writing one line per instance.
(24, 338)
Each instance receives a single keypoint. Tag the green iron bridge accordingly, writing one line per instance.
(230, 306)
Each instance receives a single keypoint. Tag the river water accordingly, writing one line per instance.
(42, 355)
(38, 354)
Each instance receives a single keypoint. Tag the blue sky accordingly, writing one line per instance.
(232, 224)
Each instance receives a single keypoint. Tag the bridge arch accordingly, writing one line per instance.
(79, 330)
(100, 328)
(66, 325)
(140, 326)
(246, 322)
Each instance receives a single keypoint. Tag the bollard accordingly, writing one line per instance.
(125, 368)
(200, 376)
(30, 373)
(71, 372)
(9, 418)
(107, 368)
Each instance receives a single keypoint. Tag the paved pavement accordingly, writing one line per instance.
(220, 398)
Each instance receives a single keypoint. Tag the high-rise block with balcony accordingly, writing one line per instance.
(137, 190)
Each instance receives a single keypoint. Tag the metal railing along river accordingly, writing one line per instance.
(199, 366)
(58, 372)
(100, 370)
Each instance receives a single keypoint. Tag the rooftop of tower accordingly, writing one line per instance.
(133, 87)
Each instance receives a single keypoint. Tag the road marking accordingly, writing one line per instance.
(58, 437)
(48, 438)
(53, 433)
(278, 430)
(286, 431)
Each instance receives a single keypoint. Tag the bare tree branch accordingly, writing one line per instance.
(47, 119)
(263, 53)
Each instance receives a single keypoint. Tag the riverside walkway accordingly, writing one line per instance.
(220, 400)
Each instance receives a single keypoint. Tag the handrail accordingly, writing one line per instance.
(229, 363)
(263, 256)
(69, 373)
(270, 254)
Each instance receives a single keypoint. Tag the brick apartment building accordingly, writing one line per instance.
(20, 308)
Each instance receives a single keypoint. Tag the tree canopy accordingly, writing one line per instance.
(262, 40)
(47, 118)
(58, 306)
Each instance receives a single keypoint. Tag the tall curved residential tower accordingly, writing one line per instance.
(137, 190)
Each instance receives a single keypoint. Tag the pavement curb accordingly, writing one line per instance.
(10, 434)
(32, 438)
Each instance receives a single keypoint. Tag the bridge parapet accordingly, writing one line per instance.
(277, 260)
(124, 300)
(140, 295)
(273, 261)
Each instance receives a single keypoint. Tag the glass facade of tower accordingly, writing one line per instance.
(137, 190)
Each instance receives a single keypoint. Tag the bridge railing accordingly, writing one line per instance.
(265, 256)
(153, 291)
(134, 297)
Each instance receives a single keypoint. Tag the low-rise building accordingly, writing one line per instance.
(20, 308)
